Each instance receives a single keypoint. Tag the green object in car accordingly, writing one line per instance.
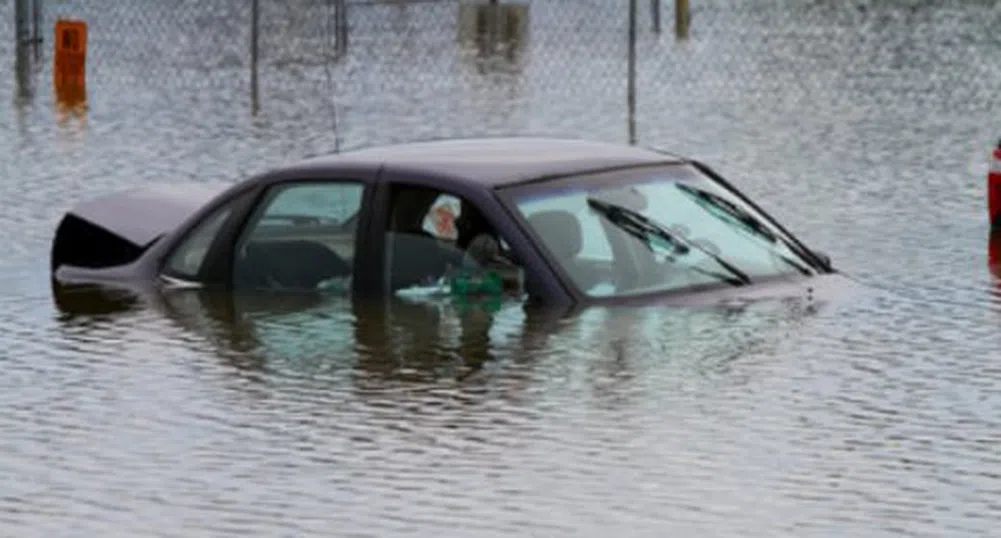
(467, 284)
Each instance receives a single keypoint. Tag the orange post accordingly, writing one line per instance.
(71, 52)
(70, 62)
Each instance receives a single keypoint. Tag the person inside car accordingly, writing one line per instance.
(482, 247)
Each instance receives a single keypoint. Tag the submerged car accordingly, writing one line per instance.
(557, 222)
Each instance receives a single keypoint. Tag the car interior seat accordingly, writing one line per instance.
(296, 264)
(562, 235)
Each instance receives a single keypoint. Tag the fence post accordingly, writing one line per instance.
(22, 37)
(21, 31)
(631, 91)
(655, 10)
(254, 23)
(341, 27)
(36, 25)
(494, 26)
(682, 18)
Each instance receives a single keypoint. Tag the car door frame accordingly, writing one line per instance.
(217, 267)
(549, 286)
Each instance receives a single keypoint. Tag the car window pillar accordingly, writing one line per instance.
(218, 262)
(369, 248)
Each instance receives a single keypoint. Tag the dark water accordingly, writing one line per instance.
(864, 127)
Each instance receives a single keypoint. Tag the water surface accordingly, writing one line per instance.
(865, 127)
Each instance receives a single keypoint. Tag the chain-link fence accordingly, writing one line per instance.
(397, 70)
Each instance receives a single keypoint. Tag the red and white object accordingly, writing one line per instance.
(994, 188)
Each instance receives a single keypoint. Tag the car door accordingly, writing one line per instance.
(302, 235)
(294, 235)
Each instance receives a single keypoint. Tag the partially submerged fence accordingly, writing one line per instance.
(382, 70)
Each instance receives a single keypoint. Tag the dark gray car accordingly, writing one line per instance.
(563, 223)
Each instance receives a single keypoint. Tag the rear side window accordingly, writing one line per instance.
(302, 238)
(188, 258)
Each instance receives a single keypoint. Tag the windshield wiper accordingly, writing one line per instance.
(743, 218)
(731, 209)
(642, 227)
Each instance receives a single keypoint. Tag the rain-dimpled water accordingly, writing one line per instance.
(865, 127)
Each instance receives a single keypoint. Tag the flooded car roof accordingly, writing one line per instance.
(498, 161)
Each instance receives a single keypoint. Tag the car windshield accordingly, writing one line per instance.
(653, 229)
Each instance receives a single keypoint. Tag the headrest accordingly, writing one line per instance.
(560, 231)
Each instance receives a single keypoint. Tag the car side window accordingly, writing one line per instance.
(187, 259)
(301, 237)
(437, 242)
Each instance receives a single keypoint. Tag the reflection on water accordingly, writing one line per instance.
(425, 342)
(994, 265)
(71, 102)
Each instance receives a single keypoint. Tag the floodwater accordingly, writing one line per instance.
(865, 126)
